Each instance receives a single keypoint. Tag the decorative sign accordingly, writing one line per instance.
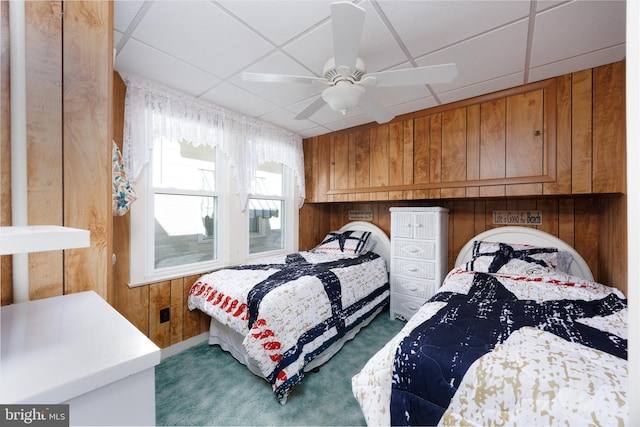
(361, 215)
(517, 217)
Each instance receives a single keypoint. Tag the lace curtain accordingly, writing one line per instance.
(153, 111)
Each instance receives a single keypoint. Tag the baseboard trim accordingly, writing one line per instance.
(183, 345)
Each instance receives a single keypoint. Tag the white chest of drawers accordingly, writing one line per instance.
(418, 257)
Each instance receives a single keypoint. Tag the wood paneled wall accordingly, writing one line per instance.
(6, 277)
(69, 60)
(562, 136)
(141, 305)
(588, 223)
(465, 156)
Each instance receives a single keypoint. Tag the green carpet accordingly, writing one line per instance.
(206, 386)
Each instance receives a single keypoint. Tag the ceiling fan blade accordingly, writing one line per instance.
(443, 73)
(374, 109)
(311, 108)
(280, 78)
(347, 21)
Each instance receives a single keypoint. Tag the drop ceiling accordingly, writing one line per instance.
(201, 48)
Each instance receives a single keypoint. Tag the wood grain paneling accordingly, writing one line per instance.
(562, 185)
(530, 140)
(492, 145)
(454, 151)
(362, 167)
(396, 158)
(591, 224)
(525, 135)
(435, 155)
(473, 149)
(581, 132)
(6, 276)
(421, 133)
(44, 138)
(407, 163)
(159, 298)
(87, 136)
(341, 162)
(609, 131)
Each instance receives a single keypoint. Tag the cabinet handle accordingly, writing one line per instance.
(537, 133)
(412, 307)
(412, 269)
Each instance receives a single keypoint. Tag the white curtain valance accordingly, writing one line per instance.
(153, 111)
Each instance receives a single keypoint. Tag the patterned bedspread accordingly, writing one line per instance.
(290, 308)
(493, 349)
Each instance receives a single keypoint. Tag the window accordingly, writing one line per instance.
(267, 209)
(178, 230)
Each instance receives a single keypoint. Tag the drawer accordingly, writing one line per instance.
(416, 249)
(418, 269)
(404, 307)
(423, 289)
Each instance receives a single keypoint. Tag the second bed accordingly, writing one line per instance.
(285, 315)
(519, 334)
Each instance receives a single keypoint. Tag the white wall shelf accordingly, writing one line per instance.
(37, 238)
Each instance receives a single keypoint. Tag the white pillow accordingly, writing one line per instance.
(507, 258)
(349, 242)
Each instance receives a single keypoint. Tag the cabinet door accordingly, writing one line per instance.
(402, 224)
(425, 226)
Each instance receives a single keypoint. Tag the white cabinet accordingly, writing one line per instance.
(418, 257)
(76, 349)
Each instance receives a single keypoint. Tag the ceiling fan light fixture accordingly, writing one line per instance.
(343, 96)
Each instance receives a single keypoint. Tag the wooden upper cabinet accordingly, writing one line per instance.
(518, 142)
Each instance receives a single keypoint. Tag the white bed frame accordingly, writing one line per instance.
(231, 341)
(528, 236)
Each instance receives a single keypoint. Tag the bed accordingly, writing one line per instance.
(518, 334)
(285, 315)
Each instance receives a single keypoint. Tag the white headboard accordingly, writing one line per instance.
(383, 245)
(529, 236)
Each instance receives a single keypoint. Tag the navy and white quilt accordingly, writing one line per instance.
(291, 308)
(506, 349)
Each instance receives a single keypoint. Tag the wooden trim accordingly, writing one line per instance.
(453, 184)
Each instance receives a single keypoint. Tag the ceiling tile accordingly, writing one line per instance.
(487, 86)
(313, 49)
(582, 62)
(124, 12)
(144, 61)
(279, 21)
(234, 98)
(202, 34)
(576, 28)
(200, 47)
(427, 26)
(490, 56)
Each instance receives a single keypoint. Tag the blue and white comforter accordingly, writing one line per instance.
(290, 308)
(493, 349)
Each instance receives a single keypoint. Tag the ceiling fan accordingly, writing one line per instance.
(346, 76)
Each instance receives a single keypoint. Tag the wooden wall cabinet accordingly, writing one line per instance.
(561, 136)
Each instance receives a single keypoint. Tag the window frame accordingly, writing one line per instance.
(232, 248)
(142, 234)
